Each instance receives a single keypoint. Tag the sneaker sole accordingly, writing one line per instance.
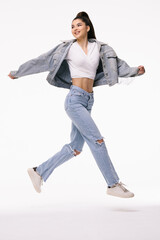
(120, 196)
(31, 175)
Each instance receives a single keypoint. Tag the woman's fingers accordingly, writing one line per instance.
(141, 69)
(11, 76)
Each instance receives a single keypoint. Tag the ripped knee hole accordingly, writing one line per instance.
(76, 152)
(100, 141)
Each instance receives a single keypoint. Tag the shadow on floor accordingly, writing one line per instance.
(81, 223)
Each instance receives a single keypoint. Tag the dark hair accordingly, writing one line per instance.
(85, 18)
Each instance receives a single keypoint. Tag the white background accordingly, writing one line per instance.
(34, 125)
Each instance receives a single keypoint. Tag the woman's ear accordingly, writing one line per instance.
(88, 28)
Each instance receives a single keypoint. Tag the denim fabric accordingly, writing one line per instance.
(109, 69)
(78, 105)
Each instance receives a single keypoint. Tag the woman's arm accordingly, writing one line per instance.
(42, 63)
(124, 70)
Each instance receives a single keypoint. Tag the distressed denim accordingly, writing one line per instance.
(78, 105)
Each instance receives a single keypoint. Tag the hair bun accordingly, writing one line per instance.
(82, 14)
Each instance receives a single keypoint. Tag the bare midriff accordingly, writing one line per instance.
(84, 83)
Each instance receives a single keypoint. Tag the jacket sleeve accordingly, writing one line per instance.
(42, 63)
(124, 70)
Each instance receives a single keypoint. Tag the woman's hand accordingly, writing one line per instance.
(141, 70)
(11, 76)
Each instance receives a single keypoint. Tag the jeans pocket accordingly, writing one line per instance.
(76, 93)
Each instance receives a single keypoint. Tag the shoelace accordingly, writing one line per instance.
(122, 187)
(120, 184)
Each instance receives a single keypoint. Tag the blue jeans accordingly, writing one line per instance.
(78, 105)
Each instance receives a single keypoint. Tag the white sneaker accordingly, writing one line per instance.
(118, 190)
(36, 179)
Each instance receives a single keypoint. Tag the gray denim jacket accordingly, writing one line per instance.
(110, 66)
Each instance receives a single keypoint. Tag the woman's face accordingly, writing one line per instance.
(79, 29)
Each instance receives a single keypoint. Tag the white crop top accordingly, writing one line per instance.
(82, 64)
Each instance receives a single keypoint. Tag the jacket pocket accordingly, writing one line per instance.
(111, 54)
(111, 58)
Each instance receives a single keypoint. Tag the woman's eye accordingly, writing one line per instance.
(77, 25)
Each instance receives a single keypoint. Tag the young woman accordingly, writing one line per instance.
(79, 65)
